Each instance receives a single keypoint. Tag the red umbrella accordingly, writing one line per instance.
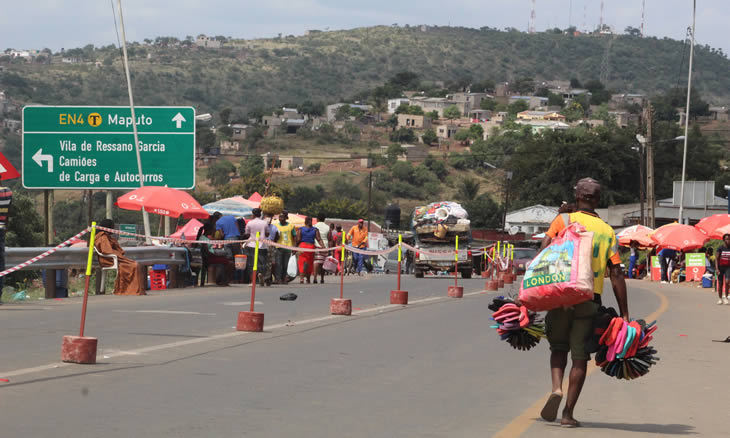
(710, 225)
(189, 231)
(721, 232)
(164, 201)
(679, 237)
(639, 233)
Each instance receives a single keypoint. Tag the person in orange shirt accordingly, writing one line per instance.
(568, 329)
(358, 237)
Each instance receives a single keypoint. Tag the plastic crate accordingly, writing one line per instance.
(158, 280)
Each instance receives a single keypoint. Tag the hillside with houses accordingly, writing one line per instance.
(435, 112)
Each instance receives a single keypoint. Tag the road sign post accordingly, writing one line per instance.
(84, 147)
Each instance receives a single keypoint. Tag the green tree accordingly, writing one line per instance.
(555, 100)
(219, 173)
(573, 112)
(433, 115)
(467, 188)
(314, 167)
(251, 166)
(343, 208)
(436, 166)
(462, 136)
(488, 104)
(403, 171)
(429, 137)
(476, 132)
(393, 152)
(483, 212)
(204, 138)
(452, 112)
(517, 107)
(403, 135)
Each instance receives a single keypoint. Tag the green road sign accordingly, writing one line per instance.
(85, 147)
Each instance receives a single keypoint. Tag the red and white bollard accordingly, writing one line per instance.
(341, 306)
(79, 349)
(252, 321)
(399, 296)
(456, 291)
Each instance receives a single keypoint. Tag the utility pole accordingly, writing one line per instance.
(642, 149)
(686, 114)
(370, 191)
(649, 117)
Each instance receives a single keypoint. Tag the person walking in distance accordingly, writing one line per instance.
(567, 329)
(260, 226)
(722, 267)
(287, 236)
(358, 237)
(6, 198)
(306, 238)
(324, 233)
(634, 257)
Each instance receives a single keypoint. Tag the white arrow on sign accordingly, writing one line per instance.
(178, 119)
(39, 158)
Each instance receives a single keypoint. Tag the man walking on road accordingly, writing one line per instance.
(568, 329)
(252, 227)
(358, 235)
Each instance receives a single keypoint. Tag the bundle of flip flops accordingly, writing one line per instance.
(623, 349)
(520, 327)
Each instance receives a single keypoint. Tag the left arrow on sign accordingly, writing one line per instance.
(39, 158)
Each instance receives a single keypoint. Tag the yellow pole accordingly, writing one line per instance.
(91, 249)
(400, 242)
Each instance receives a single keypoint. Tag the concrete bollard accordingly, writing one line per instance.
(491, 285)
(79, 349)
(507, 277)
(500, 283)
(341, 306)
(399, 297)
(456, 291)
(250, 322)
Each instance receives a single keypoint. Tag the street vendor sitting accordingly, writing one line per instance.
(129, 280)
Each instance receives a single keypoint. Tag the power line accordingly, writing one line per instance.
(116, 28)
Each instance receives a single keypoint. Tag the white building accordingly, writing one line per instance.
(393, 104)
(530, 220)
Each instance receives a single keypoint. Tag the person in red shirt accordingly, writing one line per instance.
(722, 267)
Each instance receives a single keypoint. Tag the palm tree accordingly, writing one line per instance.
(468, 188)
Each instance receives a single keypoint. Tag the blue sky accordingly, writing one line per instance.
(75, 23)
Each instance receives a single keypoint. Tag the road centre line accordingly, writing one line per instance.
(160, 347)
(528, 417)
(166, 312)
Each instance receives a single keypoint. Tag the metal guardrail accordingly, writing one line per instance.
(77, 257)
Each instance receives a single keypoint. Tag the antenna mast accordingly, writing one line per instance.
(532, 18)
(600, 26)
(643, 8)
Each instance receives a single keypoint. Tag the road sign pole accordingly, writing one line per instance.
(145, 215)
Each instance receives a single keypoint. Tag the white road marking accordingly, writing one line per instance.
(242, 303)
(166, 312)
(160, 347)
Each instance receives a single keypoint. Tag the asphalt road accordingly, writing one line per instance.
(172, 365)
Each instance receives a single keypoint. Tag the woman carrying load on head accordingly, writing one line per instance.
(306, 236)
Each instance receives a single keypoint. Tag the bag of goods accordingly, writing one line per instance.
(330, 264)
(560, 275)
(272, 205)
(292, 269)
